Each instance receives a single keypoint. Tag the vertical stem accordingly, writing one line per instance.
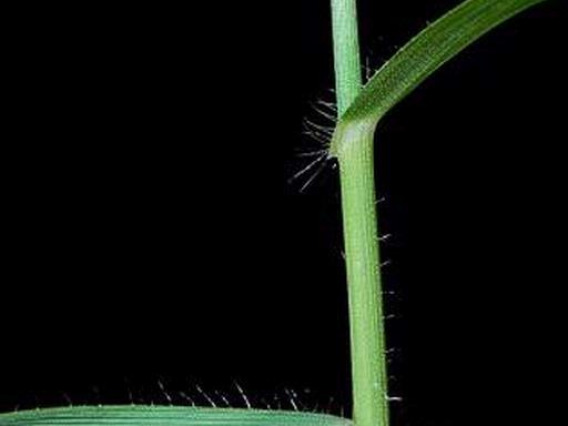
(346, 52)
(368, 360)
(368, 354)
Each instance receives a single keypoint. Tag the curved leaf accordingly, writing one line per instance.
(418, 59)
(166, 416)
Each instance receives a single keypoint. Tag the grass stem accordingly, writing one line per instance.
(368, 359)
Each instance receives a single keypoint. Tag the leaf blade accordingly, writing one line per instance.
(162, 416)
(420, 58)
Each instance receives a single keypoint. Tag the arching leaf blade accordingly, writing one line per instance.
(419, 58)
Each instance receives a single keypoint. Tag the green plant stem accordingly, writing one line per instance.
(368, 361)
(348, 81)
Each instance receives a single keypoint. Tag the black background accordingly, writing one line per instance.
(153, 236)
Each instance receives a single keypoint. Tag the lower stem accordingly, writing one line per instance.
(368, 351)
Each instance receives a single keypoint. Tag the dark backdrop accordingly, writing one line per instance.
(154, 240)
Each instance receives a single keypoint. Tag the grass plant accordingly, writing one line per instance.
(360, 108)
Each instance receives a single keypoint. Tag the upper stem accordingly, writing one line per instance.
(346, 52)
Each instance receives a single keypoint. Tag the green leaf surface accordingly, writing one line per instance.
(418, 59)
(166, 416)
